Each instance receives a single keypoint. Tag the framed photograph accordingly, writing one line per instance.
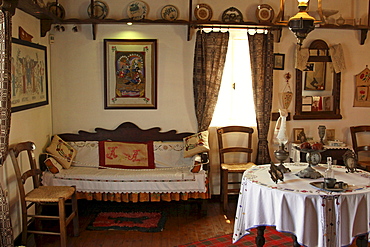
(327, 103)
(130, 74)
(315, 74)
(29, 79)
(279, 60)
(316, 103)
(330, 134)
(306, 100)
(298, 135)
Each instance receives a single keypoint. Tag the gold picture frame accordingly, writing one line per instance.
(330, 135)
(298, 135)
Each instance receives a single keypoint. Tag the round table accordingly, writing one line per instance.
(315, 216)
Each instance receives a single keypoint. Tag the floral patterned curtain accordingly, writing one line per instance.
(7, 10)
(209, 59)
(261, 48)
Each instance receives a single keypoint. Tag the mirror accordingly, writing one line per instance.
(318, 86)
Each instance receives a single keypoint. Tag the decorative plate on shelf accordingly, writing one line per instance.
(203, 12)
(100, 10)
(265, 13)
(232, 15)
(137, 10)
(40, 3)
(56, 9)
(169, 13)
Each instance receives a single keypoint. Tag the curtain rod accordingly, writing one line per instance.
(234, 27)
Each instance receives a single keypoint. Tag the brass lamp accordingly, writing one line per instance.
(302, 23)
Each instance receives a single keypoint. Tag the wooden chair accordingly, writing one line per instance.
(364, 148)
(40, 196)
(226, 168)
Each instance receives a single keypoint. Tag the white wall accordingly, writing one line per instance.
(77, 63)
(27, 125)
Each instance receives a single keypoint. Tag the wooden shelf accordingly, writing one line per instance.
(47, 19)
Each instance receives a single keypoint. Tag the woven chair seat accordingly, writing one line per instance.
(50, 193)
(237, 167)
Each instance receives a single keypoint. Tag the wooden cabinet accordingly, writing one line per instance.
(335, 152)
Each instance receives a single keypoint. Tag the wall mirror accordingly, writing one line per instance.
(318, 86)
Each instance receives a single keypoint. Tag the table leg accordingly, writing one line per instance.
(295, 243)
(260, 239)
(361, 241)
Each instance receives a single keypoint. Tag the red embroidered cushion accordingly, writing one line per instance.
(126, 155)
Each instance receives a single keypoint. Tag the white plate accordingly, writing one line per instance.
(169, 13)
(100, 10)
(137, 10)
(203, 12)
(265, 13)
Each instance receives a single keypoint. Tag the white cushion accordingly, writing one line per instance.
(87, 153)
(170, 154)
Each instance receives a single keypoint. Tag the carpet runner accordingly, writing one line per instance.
(152, 221)
(272, 237)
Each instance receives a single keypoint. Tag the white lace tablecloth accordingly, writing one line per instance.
(316, 217)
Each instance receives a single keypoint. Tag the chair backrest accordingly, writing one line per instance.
(14, 152)
(354, 131)
(245, 131)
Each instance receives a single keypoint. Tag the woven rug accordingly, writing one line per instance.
(272, 238)
(152, 221)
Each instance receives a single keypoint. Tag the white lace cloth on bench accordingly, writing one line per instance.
(89, 179)
(173, 174)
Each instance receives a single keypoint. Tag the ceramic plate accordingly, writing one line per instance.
(40, 3)
(232, 15)
(169, 13)
(265, 13)
(100, 10)
(203, 12)
(57, 9)
(137, 10)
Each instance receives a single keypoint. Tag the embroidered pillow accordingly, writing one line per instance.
(61, 151)
(196, 144)
(52, 165)
(170, 154)
(126, 155)
(87, 153)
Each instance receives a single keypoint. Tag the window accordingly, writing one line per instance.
(235, 105)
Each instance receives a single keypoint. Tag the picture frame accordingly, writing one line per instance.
(315, 74)
(279, 60)
(29, 76)
(330, 134)
(130, 68)
(298, 135)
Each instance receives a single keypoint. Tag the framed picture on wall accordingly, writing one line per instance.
(29, 78)
(330, 134)
(298, 135)
(279, 60)
(130, 74)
